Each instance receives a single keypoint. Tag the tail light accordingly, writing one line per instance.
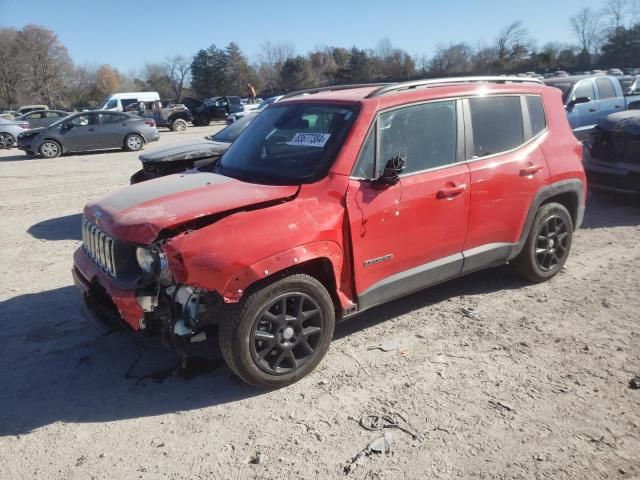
(151, 123)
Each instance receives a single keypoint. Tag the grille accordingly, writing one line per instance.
(99, 246)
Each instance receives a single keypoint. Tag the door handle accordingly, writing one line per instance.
(451, 192)
(593, 109)
(532, 170)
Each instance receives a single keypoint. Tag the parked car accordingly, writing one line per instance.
(612, 157)
(216, 108)
(317, 212)
(8, 114)
(560, 73)
(261, 106)
(200, 154)
(118, 102)
(10, 130)
(166, 113)
(589, 98)
(95, 130)
(30, 108)
(615, 72)
(630, 84)
(42, 118)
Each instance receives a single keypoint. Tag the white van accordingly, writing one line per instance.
(120, 101)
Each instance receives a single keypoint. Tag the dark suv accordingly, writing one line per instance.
(333, 201)
(215, 108)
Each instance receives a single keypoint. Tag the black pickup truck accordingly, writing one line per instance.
(166, 113)
(215, 108)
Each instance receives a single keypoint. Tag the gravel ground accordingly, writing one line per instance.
(496, 377)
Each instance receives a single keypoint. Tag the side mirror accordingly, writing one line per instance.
(392, 170)
(577, 101)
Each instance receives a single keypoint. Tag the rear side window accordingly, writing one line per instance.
(605, 88)
(497, 124)
(234, 100)
(536, 114)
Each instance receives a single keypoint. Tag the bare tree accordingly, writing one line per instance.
(513, 42)
(586, 26)
(10, 67)
(178, 68)
(47, 61)
(272, 57)
(615, 11)
(454, 58)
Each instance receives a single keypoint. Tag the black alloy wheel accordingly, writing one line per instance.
(286, 333)
(551, 243)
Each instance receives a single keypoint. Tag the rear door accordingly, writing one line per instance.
(609, 97)
(51, 117)
(111, 130)
(409, 235)
(507, 169)
(36, 119)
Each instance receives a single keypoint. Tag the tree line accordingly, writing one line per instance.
(35, 67)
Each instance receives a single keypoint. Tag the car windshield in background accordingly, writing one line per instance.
(233, 131)
(293, 143)
(565, 87)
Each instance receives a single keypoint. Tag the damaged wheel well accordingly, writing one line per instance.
(319, 268)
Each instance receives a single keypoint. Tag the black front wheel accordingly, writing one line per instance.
(548, 244)
(277, 334)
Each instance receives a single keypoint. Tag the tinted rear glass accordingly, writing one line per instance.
(605, 88)
(497, 124)
(536, 114)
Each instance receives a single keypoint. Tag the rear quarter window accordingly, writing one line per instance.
(605, 88)
(497, 124)
(536, 114)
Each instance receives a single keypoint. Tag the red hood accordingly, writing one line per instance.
(138, 213)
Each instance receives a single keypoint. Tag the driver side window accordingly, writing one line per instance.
(584, 89)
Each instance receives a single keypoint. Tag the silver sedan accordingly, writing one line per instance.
(9, 131)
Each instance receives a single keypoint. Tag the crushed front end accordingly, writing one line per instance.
(131, 286)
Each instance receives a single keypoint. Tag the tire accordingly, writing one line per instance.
(268, 351)
(133, 142)
(7, 140)
(50, 149)
(179, 125)
(548, 244)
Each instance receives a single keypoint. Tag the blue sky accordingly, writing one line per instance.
(129, 33)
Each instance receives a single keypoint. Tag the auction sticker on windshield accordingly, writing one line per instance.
(309, 139)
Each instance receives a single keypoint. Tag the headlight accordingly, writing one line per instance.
(154, 262)
(146, 259)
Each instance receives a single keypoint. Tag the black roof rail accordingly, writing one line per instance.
(435, 82)
(333, 88)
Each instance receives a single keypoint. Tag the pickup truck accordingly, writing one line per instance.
(589, 98)
(166, 113)
(216, 108)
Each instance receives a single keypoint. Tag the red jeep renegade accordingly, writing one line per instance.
(335, 200)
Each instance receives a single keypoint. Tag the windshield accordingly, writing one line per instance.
(289, 143)
(233, 131)
(564, 86)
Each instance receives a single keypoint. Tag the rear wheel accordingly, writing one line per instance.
(133, 142)
(179, 125)
(7, 140)
(547, 247)
(50, 149)
(279, 333)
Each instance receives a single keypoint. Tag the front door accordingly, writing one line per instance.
(78, 133)
(409, 235)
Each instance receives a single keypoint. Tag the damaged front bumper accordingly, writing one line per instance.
(105, 305)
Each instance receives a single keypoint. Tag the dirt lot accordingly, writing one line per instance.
(498, 378)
